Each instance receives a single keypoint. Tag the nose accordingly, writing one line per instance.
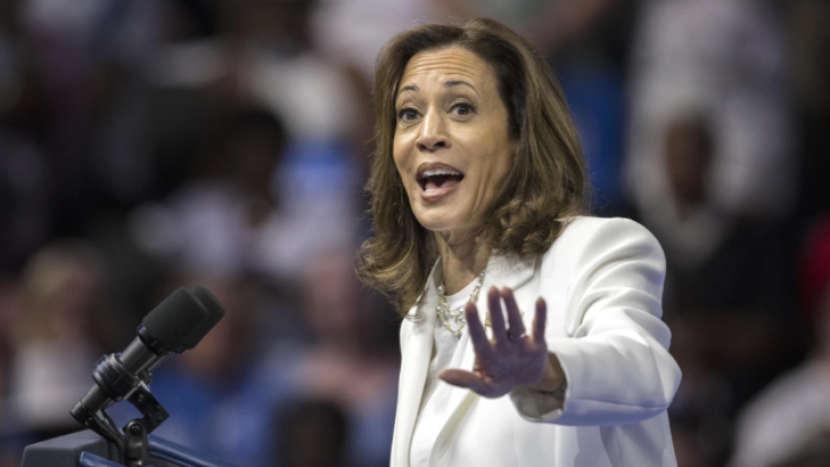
(433, 134)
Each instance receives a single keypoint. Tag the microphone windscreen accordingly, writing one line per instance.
(215, 313)
(174, 319)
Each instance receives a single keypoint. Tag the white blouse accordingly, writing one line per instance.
(446, 353)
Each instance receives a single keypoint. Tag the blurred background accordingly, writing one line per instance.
(150, 144)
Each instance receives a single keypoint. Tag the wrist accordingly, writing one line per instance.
(553, 381)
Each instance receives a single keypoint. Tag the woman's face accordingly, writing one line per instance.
(451, 144)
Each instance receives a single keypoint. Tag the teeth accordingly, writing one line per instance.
(436, 172)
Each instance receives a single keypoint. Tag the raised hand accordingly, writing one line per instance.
(511, 358)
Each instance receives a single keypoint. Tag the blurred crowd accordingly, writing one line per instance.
(151, 144)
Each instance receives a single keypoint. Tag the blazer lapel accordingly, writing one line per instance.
(414, 366)
(501, 272)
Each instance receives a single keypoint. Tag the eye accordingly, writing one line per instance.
(463, 109)
(407, 114)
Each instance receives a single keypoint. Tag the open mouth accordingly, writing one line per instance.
(438, 178)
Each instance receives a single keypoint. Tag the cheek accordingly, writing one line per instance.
(400, 167)
(397, 158)
(497, 149)
(399, 154)
(402, 157)
(496, 167)
(396, 162)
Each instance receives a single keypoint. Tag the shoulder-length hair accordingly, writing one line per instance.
(546, 183)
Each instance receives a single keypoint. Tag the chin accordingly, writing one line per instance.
(441, 220)
(435, 220)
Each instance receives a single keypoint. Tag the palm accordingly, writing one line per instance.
(511, 358)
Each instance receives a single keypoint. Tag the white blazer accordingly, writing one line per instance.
(603, 281)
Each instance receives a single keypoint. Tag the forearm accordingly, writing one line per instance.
(615, 379)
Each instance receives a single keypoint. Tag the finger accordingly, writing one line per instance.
(464, 379)
(496, 316)
(540, 320)
(514, 318)
(477, 334)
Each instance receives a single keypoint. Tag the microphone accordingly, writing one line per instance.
(215, 313)
(177, 324)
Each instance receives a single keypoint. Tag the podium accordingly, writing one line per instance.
(88, 449)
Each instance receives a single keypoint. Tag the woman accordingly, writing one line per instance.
(477, 185)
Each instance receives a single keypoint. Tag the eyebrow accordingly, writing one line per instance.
(448, 84)
(410, 87)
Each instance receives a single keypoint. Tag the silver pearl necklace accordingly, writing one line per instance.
(453, 320)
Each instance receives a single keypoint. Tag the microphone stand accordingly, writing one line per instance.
(136, 431)
(131, 442)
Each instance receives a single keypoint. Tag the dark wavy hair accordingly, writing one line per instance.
(546, 184)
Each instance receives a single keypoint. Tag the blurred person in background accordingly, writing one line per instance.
(249, 206)
(794, 410)
(66, 50)
(277, 63)
(212, 223)
(313, 434)
(350, 363)
(709, 167)
(59, 331)
(119, 145)
(716, 259)
(727, 60)
(180, 73)
(273, 59)
(229, 219)
(25, 211)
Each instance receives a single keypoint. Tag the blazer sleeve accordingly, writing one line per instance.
(615, 356)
